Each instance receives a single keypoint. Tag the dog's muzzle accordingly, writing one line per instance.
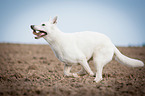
(38, 33)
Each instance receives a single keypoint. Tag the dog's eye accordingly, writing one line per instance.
(43, 24)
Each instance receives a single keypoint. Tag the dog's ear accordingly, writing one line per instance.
(50, 19)
(54, 21)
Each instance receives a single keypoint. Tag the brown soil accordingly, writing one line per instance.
(33, 70)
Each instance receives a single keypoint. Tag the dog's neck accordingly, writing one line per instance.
(56, 41)
(55, 36)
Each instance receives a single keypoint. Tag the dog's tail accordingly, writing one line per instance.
(126, 60)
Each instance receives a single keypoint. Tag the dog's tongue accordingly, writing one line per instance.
(41, 34)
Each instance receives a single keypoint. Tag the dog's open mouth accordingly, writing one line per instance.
(39, 34)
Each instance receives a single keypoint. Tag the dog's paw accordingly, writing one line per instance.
(97, 80)
(68, 75)
(81, 73)
(75, 75)
(92, 74)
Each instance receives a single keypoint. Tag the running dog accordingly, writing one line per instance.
(80, 47)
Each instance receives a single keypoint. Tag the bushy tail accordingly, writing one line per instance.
(126, 60)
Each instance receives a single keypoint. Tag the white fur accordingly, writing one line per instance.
(80, 47)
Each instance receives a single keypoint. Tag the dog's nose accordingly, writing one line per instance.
(32, 26)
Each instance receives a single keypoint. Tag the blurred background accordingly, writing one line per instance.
(121, 20)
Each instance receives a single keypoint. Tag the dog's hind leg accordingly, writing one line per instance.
(101, 58)
(86, 66)
(99, 68)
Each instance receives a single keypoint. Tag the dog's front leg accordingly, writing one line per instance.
(67, 69)
(82, 72)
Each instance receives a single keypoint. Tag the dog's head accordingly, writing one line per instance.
(43, 29)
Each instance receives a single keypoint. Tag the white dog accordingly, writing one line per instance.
(80, 47)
